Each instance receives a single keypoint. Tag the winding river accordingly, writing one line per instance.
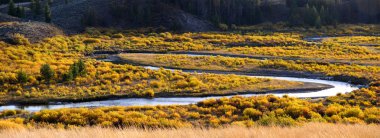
(338, 87)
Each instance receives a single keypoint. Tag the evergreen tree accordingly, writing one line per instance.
(323, 15)
(67, 77)
(81, 68)
(46, 72)
(22, 12)
(11, 8)
(22, 77)
(89, 18)
(47, 13)
(318, 23)
(74, 69)
(314, 17)
(37, 7)
(33, 6)
(311, 16)
(18, 12)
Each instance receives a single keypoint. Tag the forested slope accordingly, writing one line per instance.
(196, 15)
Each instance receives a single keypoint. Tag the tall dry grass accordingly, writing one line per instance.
(311, 130)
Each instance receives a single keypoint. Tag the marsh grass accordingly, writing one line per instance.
(311, 130)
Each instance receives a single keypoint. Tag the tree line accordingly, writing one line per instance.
(295, 12)
(313, 13)
(35, 7)
(17, 1)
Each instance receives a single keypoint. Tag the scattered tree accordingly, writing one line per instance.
(11, 8)
(22, 77)
(20, 12)
(37, 7)
(76, 69)
(46, 72)
(33, 5)
(47, 13)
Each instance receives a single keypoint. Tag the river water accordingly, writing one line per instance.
(338, 87)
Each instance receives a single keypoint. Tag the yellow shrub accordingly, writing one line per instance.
(10, 125)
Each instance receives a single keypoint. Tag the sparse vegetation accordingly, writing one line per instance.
(19, 39)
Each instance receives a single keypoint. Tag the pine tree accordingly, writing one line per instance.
(47, 13)
(89, 18)
(323, 16)
(81, 68)
(18, 12)
(67, 77)
(74, 69)
(318, 23)
(314, 17)
(46, 72)
(32, 5)
(311, 16)
(37, 7)
(22, 12)
(11, 8)
(22, 77)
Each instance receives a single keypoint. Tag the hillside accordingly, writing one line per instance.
(33, 30)
(74, 16)
(201, 15)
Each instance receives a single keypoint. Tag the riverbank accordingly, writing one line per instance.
(304, 88)
(354, 74)
(264, 57)
(237, 55)
(247, 85)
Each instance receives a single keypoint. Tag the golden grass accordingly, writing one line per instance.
(310, 130)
